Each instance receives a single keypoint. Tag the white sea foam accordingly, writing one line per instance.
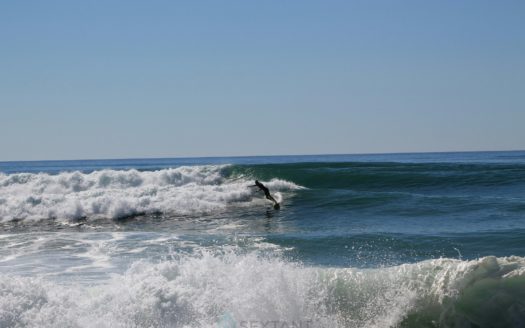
(114, 194)
(230, 290)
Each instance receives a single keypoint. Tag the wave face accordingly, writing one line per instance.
(116, 194)
(393, 175)
(231, 290)
(474, 191)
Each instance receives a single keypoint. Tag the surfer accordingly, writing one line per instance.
(266, 192)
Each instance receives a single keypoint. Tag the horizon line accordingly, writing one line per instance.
(273, 155)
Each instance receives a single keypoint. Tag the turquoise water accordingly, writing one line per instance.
(409, 240)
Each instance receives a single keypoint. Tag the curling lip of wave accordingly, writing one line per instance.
(115, 194)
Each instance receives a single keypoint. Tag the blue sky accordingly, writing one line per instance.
(113, 79)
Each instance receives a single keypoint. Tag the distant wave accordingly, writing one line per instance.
(211, 290)
(115, 194)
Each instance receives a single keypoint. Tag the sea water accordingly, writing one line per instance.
(390, 240)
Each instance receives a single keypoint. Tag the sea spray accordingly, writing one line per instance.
(198, 290)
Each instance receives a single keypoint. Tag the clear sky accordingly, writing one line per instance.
(114, 79)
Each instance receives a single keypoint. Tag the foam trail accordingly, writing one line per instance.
(201, 291)
(115, 194)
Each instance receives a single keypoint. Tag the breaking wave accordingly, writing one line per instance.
(115, 194)
(232, 290)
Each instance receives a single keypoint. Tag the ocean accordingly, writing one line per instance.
(387, 240)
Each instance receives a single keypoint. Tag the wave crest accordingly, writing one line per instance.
(197, 291)
(114, 194)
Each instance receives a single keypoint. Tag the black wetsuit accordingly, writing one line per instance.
(266, 191)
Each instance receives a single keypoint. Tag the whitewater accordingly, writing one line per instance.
(395, 240)
(115, 194)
